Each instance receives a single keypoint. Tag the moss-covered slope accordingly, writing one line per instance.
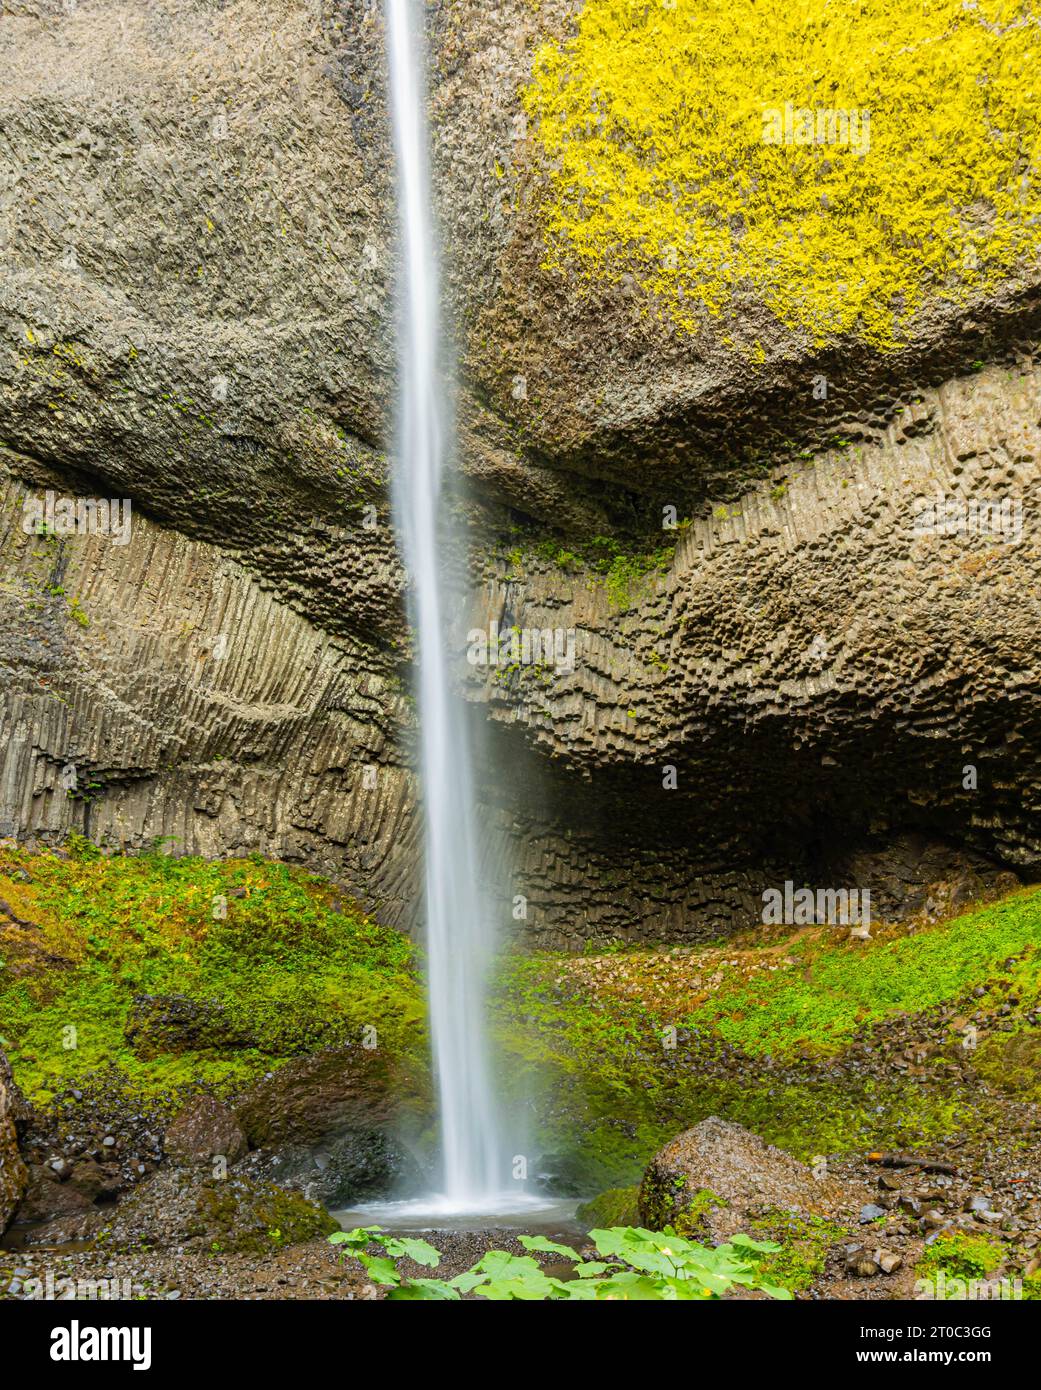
(820, 1044)
(189, 972)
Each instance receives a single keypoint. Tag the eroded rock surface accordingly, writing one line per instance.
(318, 1097)
(196, 313)
(13, 1174)
(204, 1130)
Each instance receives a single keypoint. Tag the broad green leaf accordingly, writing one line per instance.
(631, 1286)
(767, 1246)
(425, 1290)
(419, 1250)
(361, 1235)
(774, 1291)
(533, 1288)
(381, 1269)
(642, 1265)
(548, 1246)
(466, 1281)
(501, 1262)
(578, 1290)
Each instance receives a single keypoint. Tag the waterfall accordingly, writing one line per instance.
(458, 926)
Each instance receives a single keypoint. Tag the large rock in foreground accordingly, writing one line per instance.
(13, 1173)
(710, 1178)
(360, 1163)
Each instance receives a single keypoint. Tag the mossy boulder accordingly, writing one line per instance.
(1012, 1062)
(172, 1023)
(712, 1178)
(245, 1216)
(312, 1098)
(181, 1207)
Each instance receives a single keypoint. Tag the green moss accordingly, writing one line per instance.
(236, 1217)
(608, 1095)
(672, 1204)
(77, 614)
(834, 988)
(961, 1257)
(1012, 1062)
(805, 1242)
(272, 953)
(621, 570)
(618, 1206)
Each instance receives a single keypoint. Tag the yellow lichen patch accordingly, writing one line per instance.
(843, 162)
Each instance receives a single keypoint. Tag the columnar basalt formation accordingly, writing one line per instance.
(794, 681)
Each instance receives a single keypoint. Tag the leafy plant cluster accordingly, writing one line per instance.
(623, 570)
(634, 1264)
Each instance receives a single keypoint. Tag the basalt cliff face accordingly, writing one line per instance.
(801, 675)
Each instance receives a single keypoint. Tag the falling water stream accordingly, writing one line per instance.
(459, 931)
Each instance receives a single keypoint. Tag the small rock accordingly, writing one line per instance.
(871, 1211)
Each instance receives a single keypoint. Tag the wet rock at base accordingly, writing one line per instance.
(355, 1165)
(96, 1181)
(47, 1198)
